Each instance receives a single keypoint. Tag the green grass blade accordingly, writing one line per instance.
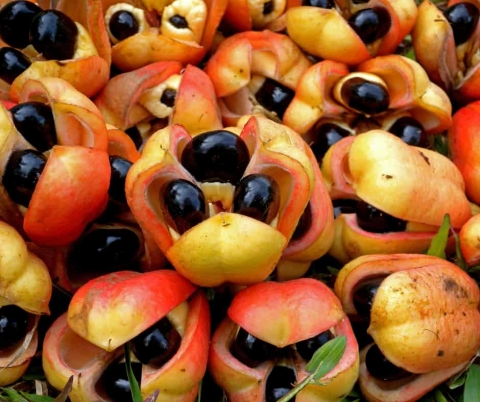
(135, 388)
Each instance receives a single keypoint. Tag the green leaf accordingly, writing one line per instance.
(440, 144)
(134, 387)
(36, 398)
(439, 397)
(439, 242)
(460, 261)
(13, 395)
(472, 384)
(327, 357)
(322, 362)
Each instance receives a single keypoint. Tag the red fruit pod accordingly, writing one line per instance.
(158, 38)
(226, 246)
(75, 122)
(314, 233)
(381, 170)
(451, 58)
(424, 318)
(325, 93)
(462, 141)
(291, 310)
(25, 292)
(70, 193)
(137, 97)
(83, 343)
(330, 33)
(249, 63)
(77, 119)
(89, 68)
(469, 238)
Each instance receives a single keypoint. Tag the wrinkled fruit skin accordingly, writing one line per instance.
(291, 310)
(380, 169)
(211, 253)
(83, 342)
(24, 282)
(424, 318)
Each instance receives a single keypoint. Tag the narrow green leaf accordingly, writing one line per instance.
(136, 394)
(460, 261)
(323, 361)
(440, 144)
(472, 384)
(439, 397)
(458, 380)
(36, 398)
(199, 395)
(439, 242)
(13, 395)
(327, 357)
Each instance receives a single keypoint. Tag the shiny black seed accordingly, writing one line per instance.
(114, 381)
(252, 351)
(382, 369)
(34, 120)
(157, 344)
(280, 381)
(463, 18)
(123, 24)
(373, 220)
(179, 21)
(364, 96)
(257, 196)
(319, 3)
(344, 206)
(104, 250)
(408, 130)
(168, 97)
(185, 204)
(371, 24)
(308, 347)
(325, 136)
(216, 156)
(304, 224)
(12, 63)
(13, 325)
(22, 173)
(268, 7)
(274, 96)
(15, 18)
(363, 296)
(54, 34)
(135, 135)
(119, 167)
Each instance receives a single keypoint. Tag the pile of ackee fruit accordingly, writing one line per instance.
(219, 188)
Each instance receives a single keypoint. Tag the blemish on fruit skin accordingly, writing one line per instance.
(387, 176)
(424, 157)
(440, 353)
(449, 285)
